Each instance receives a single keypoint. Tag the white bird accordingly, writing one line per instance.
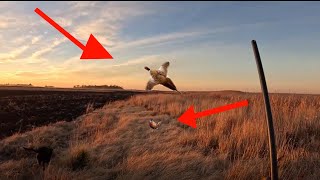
(159, 76)
(154, 125)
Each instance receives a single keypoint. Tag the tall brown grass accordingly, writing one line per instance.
(115, 142)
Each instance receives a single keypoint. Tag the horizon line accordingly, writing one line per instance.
(48, 87)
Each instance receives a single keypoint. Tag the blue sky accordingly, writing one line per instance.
(207, 44)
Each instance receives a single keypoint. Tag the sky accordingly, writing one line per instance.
(208, 44)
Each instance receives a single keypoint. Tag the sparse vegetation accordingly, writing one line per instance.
(116, 142)
(78, 158)
(99, 86)
(90, 107)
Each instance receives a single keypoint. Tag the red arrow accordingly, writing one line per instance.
(189, 117)
(92, 50)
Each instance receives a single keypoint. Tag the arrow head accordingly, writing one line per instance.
(94, 50)
(189, 118)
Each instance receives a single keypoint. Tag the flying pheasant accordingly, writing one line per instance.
(160, 77)
(154, 125)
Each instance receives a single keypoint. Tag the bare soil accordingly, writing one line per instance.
(21, 109)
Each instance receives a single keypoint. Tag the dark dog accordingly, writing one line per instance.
(43, 155)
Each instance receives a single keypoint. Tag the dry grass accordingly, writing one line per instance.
(115, 142)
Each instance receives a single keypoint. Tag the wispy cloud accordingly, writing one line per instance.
(74, 63)
(7, 22)
(29, 74)
(82, 5)
(63, 22)
(103, 20)
(47, 49)
(106, 20)
(158, 39)
(35, 39)
(184, 35)
(142, 34)
(4, 57)
(141, 60)
(106, 34)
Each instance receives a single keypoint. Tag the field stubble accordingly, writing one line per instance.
(115, 142)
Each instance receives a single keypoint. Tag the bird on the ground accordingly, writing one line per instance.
(159, 76)
(154, 125)
(43, 155)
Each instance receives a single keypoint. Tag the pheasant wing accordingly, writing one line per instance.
(169, 84)
(151, 83)
(164, 68)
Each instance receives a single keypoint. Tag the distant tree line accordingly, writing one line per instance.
(99, 86)
(23, 85)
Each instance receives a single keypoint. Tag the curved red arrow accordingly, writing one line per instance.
(189, 117)
(92, 50)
